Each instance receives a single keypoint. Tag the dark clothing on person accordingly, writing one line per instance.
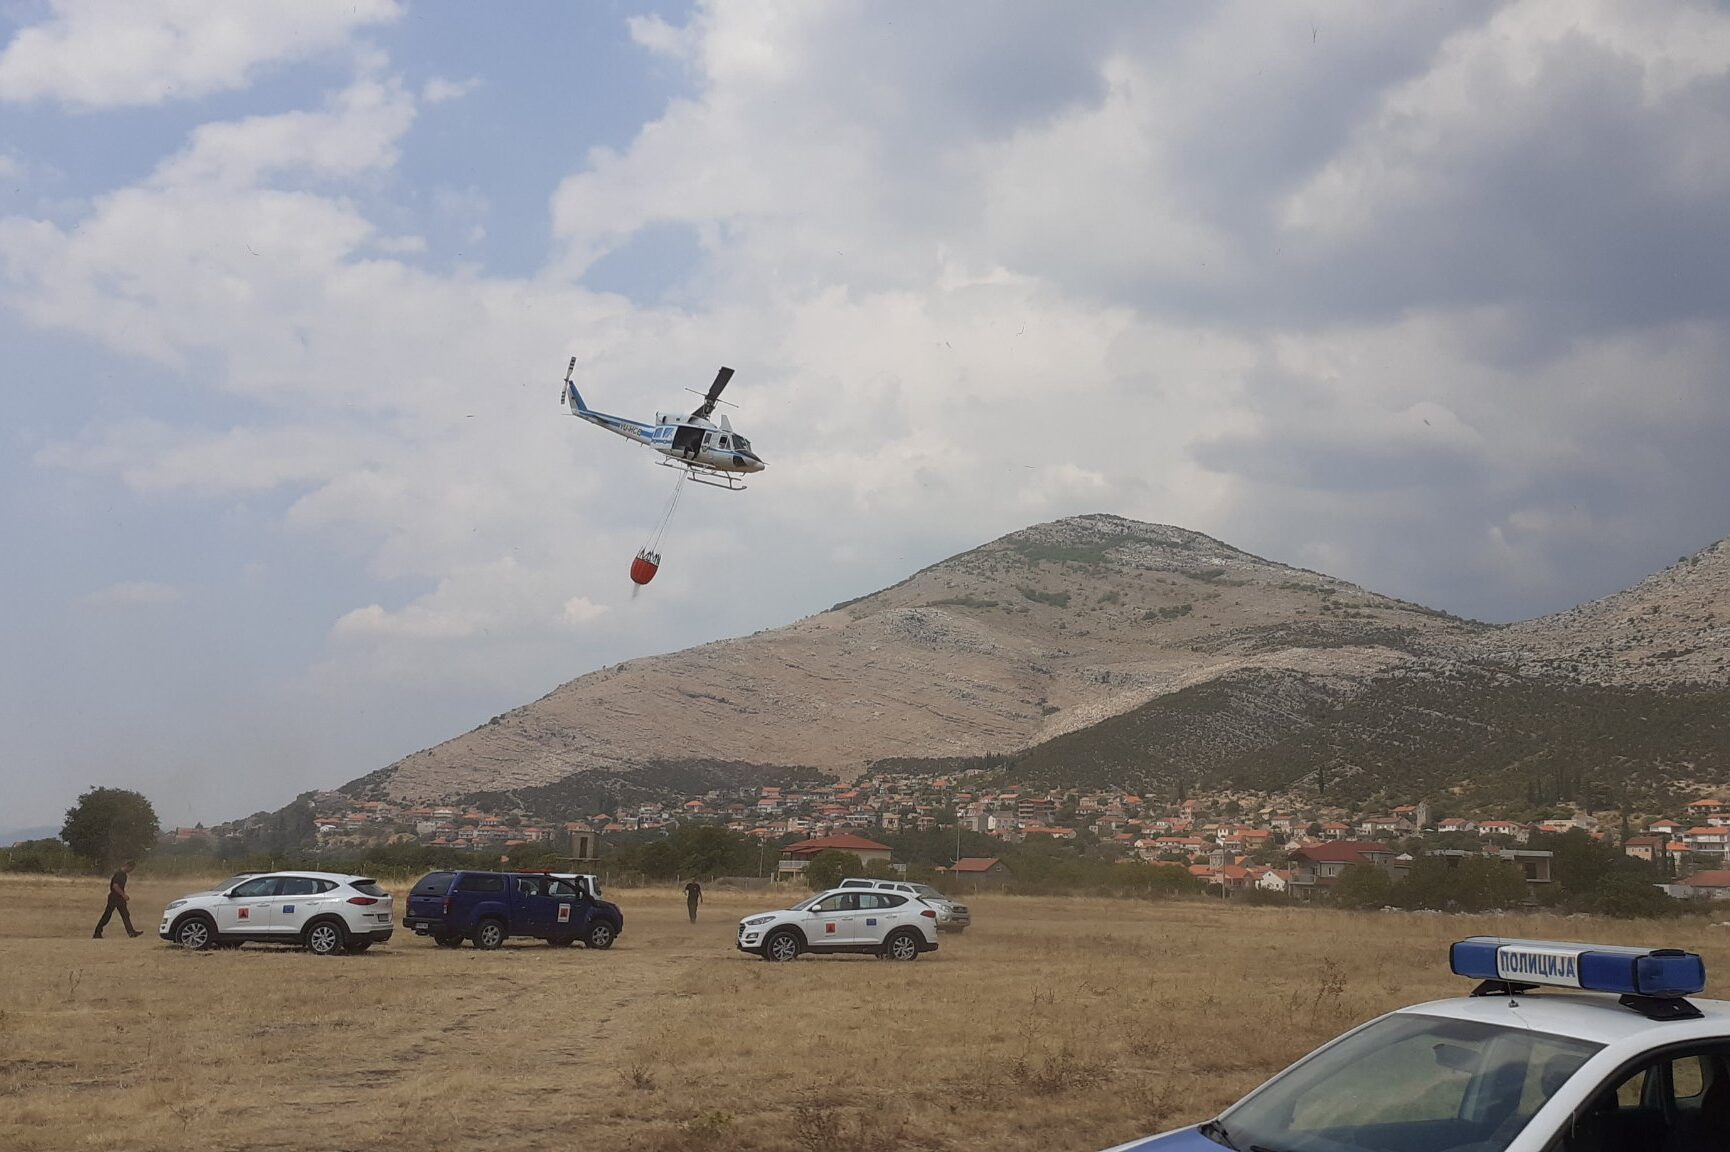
(693, 897)
(116, 903)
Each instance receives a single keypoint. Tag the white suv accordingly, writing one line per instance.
(951, 916)
(893, 925)
(327, 912)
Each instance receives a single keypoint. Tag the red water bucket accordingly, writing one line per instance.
(644, 567)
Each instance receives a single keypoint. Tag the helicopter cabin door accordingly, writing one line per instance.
(688, 441)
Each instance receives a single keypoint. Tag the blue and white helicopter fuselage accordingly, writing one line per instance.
(708, 449)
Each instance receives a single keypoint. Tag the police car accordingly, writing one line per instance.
(1621, 1062)
(893, 925)
(326, 912)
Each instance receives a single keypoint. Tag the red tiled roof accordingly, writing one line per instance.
(1716, 878)
(976, 864)
(842, 843)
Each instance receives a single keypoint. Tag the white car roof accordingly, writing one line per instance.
(1593, 1016)
(339, 877)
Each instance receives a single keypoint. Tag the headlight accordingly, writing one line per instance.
(174, 904)
(756, 920)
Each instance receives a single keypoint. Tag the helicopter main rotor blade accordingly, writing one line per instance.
(714, 394)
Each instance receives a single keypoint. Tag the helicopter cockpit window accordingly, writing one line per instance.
(740, 444)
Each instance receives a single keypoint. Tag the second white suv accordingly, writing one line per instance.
(325, 912)
(893, 925)
(951, 916)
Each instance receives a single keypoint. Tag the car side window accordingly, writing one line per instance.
(481, 884)
(261, 886)
(869, 901)
(297, 886)
(561, 890)
(1680, 1099)
(528, 886)
(890, 900)
(840, 902)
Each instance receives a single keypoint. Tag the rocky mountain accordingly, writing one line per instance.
(1671, 628)
(1104, 649)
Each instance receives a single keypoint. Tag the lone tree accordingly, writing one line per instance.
(109, 825)
(827, 867)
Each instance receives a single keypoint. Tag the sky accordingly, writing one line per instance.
(1429, 297)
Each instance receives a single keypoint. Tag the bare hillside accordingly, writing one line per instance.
(1034, 635)
(1672, 628)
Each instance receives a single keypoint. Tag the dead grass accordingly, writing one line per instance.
(1055, 1024)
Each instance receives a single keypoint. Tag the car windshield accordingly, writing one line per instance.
(1407, 1082)
(807, 902)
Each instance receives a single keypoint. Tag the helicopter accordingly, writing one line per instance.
(709, 451)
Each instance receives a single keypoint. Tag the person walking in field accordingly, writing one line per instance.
(117, 902)
(693, 897)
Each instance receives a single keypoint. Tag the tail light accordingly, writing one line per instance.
(363, 900)
(447, 905)
(929, 912)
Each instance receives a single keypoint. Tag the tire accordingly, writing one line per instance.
(195, 933)
(561, 941)
(600, 936)
(325, 937)
(356, 947)
(782, 945)
(444, 941)
(489, 934)
(903, 944)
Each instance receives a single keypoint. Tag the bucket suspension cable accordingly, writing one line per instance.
(667, 514)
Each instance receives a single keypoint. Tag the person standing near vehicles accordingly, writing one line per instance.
(117, 902)
(693, 897)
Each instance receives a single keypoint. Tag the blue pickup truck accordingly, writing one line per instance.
(489, 908)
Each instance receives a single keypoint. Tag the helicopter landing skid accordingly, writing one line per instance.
(710, 476)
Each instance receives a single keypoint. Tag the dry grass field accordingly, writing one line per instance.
(1054, 1024)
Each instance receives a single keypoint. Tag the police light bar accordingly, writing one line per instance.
(1654, 972)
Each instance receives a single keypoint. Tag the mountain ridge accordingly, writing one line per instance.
(1024, 639)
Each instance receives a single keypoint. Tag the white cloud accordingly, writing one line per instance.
(438, 90)
(580, 610)
(113, 53)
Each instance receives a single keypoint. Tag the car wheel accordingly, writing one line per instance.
(902, 945)
(325, 938)
(448, 941)
(561, 941)
(489, 934)
(195, 933)
(599, 935)
(782, 946)
(356, 947)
